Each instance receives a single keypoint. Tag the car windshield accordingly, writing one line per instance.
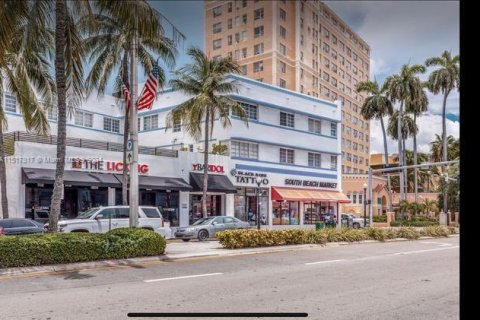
(87, 214)
(202, 221)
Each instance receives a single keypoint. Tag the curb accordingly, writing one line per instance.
(72, 267)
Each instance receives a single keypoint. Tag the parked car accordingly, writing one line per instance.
(205, 228)
(354, 221)
(20, 226)
(103, 219)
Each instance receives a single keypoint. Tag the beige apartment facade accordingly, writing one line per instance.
(302, 46)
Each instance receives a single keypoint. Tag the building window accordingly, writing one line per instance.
(217, 27)
(314, 160)
(244, 3)
(258, 14)
(283, 14)
(52, 113)
(283, 67)
(237, 21)
(229, 24)
(333, 129)
(244, 52)
(258, 49)
(150, 122)
(283, 49)
(217, 11)
(258, 66)
(334, 39)
(282, 83)
(283, 32)
(237, 37)
(259, 79)
(229, 7)
(112, 125)
(287, 119)
(315, 126)
(354, 198)
(333, 162)
(326, 77)
(325, 91)
(229, 40)
(177, 126)
(349, 157)
(244, 70)
(84, 119)
(250, 110)
(258, 31)
(244, 150)
(217, 44)
(326, 47)
(10, 102)
(244, 19)
(287, 155)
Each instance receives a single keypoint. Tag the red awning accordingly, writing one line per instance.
(292, 194)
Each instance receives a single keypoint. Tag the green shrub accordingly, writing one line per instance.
(55, 248)
(414, 223)
(436, 231)
(381, 218)
(407, 233)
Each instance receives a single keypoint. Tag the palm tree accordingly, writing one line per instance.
(437, 147)
(24, 47)
(429, 206)
(444, 79)
(69, 61)
(416, 108)
(108, 44)
(377, 106)
(205, 81)
(402, 87)
(421, 174)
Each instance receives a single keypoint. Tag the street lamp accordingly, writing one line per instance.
(258, 180)
(364, 205)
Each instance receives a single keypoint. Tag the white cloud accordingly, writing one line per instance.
(429, 125)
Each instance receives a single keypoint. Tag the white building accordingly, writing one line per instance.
(292, 142)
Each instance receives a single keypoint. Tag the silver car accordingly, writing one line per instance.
(205, 228)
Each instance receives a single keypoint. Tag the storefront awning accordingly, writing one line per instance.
(163, 183)
(216, 183)
(292, 194)
(74, 178)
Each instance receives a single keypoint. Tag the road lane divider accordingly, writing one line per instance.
(184, 277)
(422, 251)
(325, 261)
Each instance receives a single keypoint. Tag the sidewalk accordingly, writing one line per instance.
(175, 251)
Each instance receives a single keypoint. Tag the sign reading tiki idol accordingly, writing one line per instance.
(211, 168)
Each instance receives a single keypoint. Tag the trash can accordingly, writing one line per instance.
(319, 225)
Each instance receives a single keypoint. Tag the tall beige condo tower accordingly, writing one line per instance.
(302, 46)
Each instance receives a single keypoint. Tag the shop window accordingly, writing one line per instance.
(285, 213)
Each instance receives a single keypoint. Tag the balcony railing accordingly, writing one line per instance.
(83, 143)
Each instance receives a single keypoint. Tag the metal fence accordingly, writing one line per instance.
(85, 143)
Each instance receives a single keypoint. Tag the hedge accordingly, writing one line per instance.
(250, 238)
(55, 248)
(414, 223)
(381, 218)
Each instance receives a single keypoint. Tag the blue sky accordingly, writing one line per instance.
(398, 32)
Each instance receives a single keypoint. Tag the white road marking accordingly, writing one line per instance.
(185, 277)
(325, 261)
(421, 251)
(441, 244)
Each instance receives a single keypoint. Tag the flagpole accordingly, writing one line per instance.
(133, 214)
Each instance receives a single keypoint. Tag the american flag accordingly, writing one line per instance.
(126, 96)
(145, 101)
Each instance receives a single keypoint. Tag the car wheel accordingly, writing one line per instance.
(356, 225)
(202, 235)
(186, 240)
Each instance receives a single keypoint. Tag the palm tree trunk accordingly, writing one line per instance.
(60, 43)
(389, 183)
(205, 164)
(445, 149)
(3, 176)
(400, 156)
(405, 171)
(125, 134)
(415, 159)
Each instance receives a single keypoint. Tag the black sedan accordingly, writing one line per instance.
(20, 226)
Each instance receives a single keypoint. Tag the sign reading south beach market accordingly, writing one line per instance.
(310, 183)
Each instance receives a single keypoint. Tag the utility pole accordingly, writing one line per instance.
(133, 214)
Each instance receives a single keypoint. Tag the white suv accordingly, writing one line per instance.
(103, 219)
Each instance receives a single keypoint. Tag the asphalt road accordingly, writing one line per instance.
(399, 280)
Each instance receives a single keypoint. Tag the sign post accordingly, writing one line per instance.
(129, 151)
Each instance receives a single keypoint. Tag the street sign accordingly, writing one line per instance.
(129, 145)
(129, 157)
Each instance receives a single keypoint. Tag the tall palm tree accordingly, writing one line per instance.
(24, 47)
(444, 79)
(416, 108)
(402, 87)
(69, 60)
(108, 44)
(205, 81)
(377, 106)
(436, 148)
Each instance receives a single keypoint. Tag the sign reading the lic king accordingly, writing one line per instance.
(129, 153)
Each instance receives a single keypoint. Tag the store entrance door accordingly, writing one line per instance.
(70, 203)
(148, 198)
